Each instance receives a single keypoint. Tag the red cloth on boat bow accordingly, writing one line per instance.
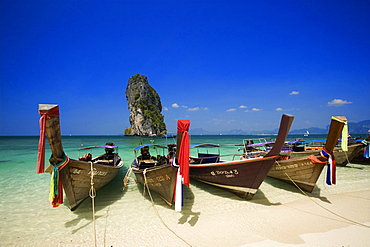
(41, 149)
(184, 152)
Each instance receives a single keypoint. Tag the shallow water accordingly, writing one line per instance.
(28, 219)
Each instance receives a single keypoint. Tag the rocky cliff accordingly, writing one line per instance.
(145, 108)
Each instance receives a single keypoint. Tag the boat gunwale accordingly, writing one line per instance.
(82, 162)
(154, 168)
(233, 162)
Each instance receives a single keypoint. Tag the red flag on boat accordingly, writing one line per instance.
(183, 149)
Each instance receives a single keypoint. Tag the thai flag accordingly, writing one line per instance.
(179, 197)
(367, 150)
(179, 193)
(173, 163)
(331, 171)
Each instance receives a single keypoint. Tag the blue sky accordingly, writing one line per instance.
(223, 64)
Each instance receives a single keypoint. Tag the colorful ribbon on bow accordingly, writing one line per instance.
(344, 143)
(367, 149)
(40, 168)
(56, 186)
(173, 163)
(184, 152)
(331, 171)
(183, 162)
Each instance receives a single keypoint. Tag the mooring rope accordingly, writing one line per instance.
(127, 179)
(106, 223)
(349, 163)
(92, 194)
(304, 193)
(156, 211)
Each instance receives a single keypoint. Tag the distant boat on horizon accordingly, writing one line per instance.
(307, 133)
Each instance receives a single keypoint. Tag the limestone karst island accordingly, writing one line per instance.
(145, 108)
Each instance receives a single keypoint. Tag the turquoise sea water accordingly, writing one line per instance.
(26, 212)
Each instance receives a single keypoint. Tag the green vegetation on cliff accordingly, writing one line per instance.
(128, 131)
(145, 108)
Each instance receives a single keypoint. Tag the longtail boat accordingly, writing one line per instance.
(160, 173)
(73, 175)
(156, 172)
(305, 171)
(303, 148)
(244, 176)
(343, 157)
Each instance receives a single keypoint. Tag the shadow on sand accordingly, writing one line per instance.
(104, 198)
(188, 216)
(353, 165)
(292, 188)
(258, 198)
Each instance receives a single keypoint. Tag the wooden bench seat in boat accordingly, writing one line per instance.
(147, 163)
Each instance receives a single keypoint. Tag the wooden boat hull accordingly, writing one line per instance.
(242, 177)
(76, 179)
(302, 171)
(160, 179)
(341, 157)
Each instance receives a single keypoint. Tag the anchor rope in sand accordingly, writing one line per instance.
(106, 223)
(326, 209)
(92, 194)
(156, 211)
(349, 163)
(127, 179)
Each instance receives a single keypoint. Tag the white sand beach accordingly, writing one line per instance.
(278, 215)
